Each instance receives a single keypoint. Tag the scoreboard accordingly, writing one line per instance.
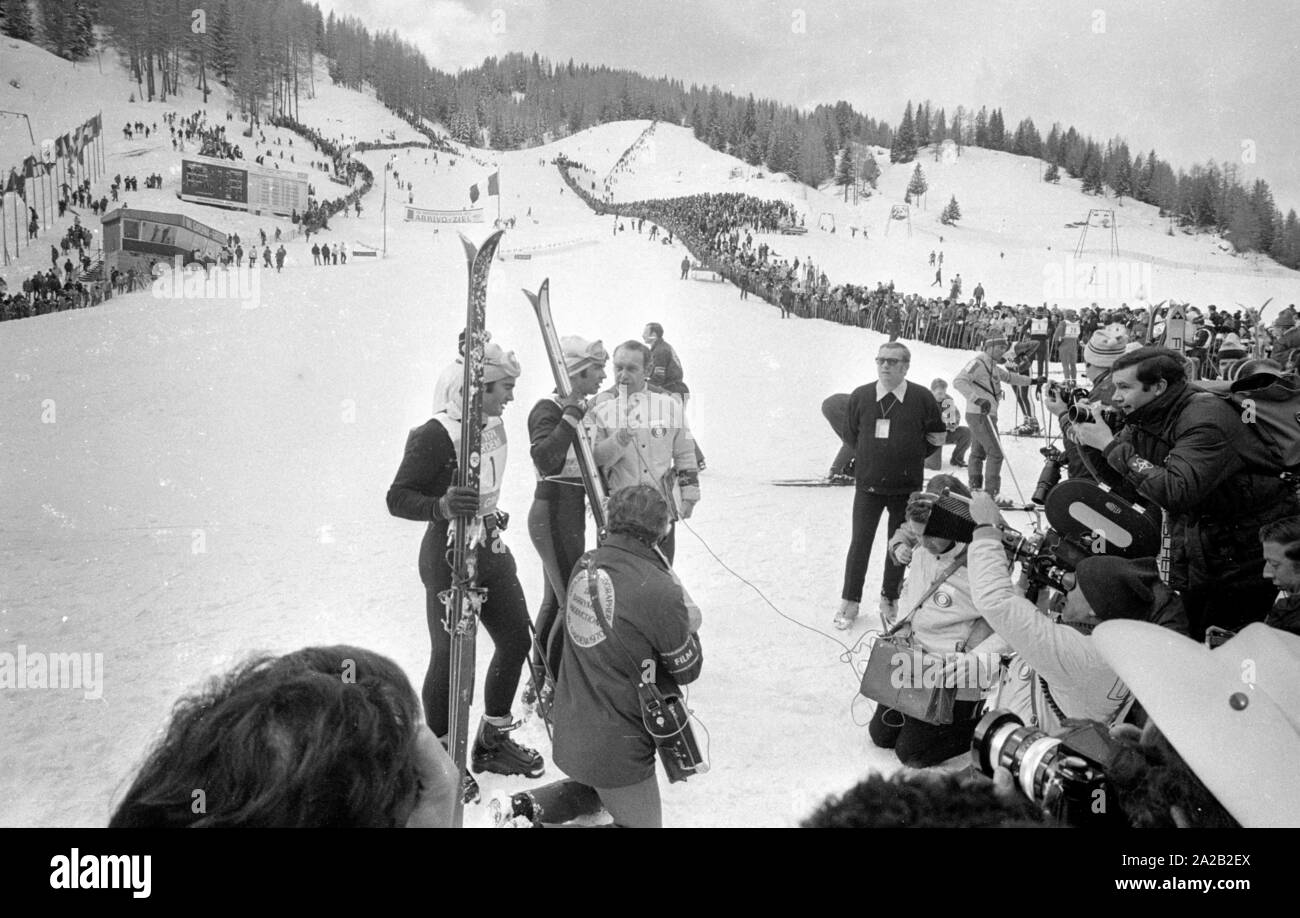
(246, 186)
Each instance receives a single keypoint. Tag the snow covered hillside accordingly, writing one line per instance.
(189, 480)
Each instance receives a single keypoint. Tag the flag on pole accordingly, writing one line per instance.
(473, 193)
(29, 167)
(494, 186)
(97, 125)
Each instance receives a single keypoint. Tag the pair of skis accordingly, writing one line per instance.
(463, 600)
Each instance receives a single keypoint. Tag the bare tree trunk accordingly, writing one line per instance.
(148, 64)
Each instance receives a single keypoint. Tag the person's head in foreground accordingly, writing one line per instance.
(324, 736)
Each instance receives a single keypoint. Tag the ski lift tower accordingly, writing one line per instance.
(900, 212)
(1105, 220)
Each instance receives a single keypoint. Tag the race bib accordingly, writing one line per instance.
(1038, 326)
(1071, 329)
(492, 467)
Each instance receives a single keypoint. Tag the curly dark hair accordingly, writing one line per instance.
(638, 511)
(924, 800)
(325, 736)
(1150, 778)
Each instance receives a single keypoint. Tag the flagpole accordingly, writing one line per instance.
(4, 234)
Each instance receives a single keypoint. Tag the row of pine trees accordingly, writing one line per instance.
(263, 51)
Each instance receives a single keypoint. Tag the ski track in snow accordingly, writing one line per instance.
(213, 484)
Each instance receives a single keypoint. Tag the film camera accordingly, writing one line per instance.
(1065, 775)
(1078, 409)
(1084, 519)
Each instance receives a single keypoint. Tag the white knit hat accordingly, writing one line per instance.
(1105, 347)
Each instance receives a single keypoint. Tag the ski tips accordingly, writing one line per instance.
(543, 293)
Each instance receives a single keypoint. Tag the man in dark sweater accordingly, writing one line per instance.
(894, 424)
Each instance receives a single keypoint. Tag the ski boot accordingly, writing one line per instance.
(1029, 428)
(847, 615)
(496, 752)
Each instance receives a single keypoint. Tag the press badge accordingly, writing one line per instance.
(882, 428)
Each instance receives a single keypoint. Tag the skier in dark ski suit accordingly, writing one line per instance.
(423, 491)
(557, 521)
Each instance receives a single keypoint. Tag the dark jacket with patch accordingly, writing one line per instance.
(599, 736)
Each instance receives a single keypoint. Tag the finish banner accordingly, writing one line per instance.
(424, 215)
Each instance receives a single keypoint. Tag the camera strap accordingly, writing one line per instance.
(938, 582)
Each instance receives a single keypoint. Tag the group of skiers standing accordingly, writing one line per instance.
(605, 613)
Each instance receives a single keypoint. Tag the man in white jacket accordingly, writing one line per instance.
(641, 437)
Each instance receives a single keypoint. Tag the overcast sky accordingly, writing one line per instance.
(1193, 79)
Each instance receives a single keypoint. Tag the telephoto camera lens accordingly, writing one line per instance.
(1079, 413)
(1062, 783)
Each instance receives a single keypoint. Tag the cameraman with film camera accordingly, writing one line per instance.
(1190, 453)
(1059, 673)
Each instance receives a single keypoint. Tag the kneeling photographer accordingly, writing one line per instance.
(630, 641)
(1059, 673)
(942, 624)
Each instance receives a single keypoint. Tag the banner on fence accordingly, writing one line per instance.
(425, 215)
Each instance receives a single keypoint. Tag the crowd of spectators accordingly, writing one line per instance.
(718, 230)
(316, 217)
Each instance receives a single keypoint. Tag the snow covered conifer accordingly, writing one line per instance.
(951, 212)
(918, 185)
(903, 149)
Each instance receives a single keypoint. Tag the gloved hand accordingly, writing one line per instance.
(688, 507)
(984, 405)
(458, 501)
(573, 411)
(503, 519)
